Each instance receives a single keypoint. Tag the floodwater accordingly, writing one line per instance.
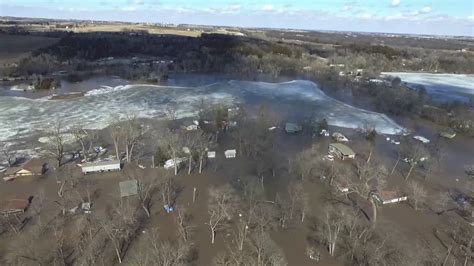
(442, 87)
(23, 114)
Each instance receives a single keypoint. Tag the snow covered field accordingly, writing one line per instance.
(23, 117)
(440, 86)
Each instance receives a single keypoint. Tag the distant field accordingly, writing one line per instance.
(149, 29)
(13, 47)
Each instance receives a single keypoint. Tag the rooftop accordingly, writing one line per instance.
(100, 163)
(345, 150)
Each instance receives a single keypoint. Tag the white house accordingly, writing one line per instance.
(101, 166)
(170, 163)
(211, 154)
(230, 154)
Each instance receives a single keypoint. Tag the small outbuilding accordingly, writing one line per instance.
(422, 139)
(341, 151)
(211, 154)
(128, 188)
(230, 154)
(388, 196)
(101, 166)
(448, 133)
(292, 128)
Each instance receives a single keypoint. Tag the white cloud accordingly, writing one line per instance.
(426, 9)
(394, 3)
(346, 8)
(128, 8)
(267, 8)
(470, 18)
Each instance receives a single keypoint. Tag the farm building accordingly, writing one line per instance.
(101, 166)
(33, 167)
(14, 206)
(387, 196)
(292, 128)
(341, 151)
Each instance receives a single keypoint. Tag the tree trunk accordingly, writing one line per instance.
(213, 235)
(395, 166)
(200, 164)
(370, 155)
(190, 164)
(409, 172)
(374, 212)
(116, 150)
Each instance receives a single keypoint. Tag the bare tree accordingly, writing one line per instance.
(414, 154)
(115, 132)
(303, 164)
(371, 178)
(133, 133)
(202, 144)
(332, 225)
(183, 220)
(222, 203)
(265, 250)
(417, 193)
(84, 138)
(173, 141)
(147, 187)
(9, 155)
(56, 142)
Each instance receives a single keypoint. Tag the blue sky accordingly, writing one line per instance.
(446, 17)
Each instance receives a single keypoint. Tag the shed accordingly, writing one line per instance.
(341, 151)
(211, 154)
(388, 196)
(101, 166)
(292, 128)
(230, 154)
(448, 133)
(128, 188)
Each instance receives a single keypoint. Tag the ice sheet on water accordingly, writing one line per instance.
(22, 117)
(453, 86)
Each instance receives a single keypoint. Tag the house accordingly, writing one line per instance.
(230, 154)
(341, 151)
(211, 154)
(14, 206)
(292, 128)
(101, 166)
(190, 125)
(339, 137)
(388, 196)
(422, 139)
(33, 167)
(448, 133)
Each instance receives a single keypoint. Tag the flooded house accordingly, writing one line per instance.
(230, 154)
(14, 206)
(191, 125)
(339, 137)
(341, 151)
(292, 128)
(388, 196)
(101, 166)
(448, 133)
(32, 167)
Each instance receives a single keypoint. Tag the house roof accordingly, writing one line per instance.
(388, 195)
(128, 188)
(345, 150)
(101, 163)
(12, 170)
(292, 127)
(14, 205)
(34, 165)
